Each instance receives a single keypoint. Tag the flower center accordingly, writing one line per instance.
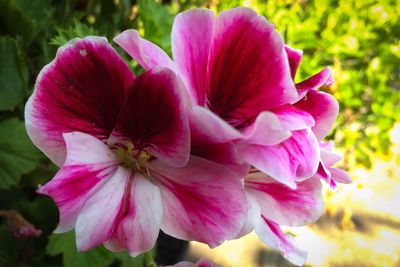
(132, 158)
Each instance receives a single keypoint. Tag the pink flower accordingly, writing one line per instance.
(239, 74)
(240, 77)
(272, 204)
(123, 146)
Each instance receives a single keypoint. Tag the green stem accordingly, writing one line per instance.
(148, 259)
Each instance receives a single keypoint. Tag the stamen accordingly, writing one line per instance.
(148, 171)
(137, 164)
(131, 157)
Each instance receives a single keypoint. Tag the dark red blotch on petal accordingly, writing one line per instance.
(248, 70)
(154, 117)
(149, 109)
(83, 89)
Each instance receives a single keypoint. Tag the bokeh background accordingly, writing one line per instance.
(359, 39)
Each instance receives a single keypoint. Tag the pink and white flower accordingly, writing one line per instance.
(123, 146)
(238, 75)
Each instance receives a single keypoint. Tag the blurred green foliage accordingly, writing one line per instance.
(359, 39)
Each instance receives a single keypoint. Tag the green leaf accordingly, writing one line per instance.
(14, 21)
(65, 244)
(13, 73)
(25, 18)
(129, 261)
(17, 153)
(77, 30)
(157, 23)
(40, 10)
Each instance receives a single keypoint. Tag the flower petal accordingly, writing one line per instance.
(328, 155)
(147, 54)
(202, 201)
(266, 130)
(80, 90)
(89, 162)
(294, 159)
(323, 107)
(154, 116)
(204, 125)
(248, 68)
(294, 57)
(283, 205)
(323, 172)
(340, 176)
(98, 218)
(272, 235)
(215, 147)
(328, 158)
(293, 118)
(191, 40)
(221, 153)
(253, 211)
(324, 77)
(138, 225)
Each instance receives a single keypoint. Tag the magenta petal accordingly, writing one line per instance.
(272, 235)
(154, 116)
(323, 107)
(248, 67)
(253, 211)
(294, 57)
(221, 153)
(328, 155)
(80, 90)
(207, 144)
(138, 224)
(283, 205)
(340, 176)
(205, 263)
(146, 53)
(202, 201)
(97, 219)
(323, 172)
(205, 126)
(293, 118)
(324, 77)
(89, 162)
(328, 158)
(266, 130)
(191, 40)
(294, 159)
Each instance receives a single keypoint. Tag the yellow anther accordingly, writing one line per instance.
(132, 158)
(144, 156)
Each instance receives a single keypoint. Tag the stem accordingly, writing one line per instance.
(5, 213)
(148, 259)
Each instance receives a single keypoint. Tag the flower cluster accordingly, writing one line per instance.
(208, 146)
